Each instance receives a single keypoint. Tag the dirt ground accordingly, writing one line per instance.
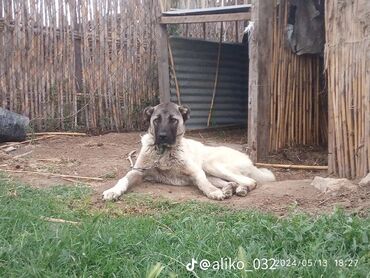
(105, 156)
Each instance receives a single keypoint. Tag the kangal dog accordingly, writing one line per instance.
(167, 157)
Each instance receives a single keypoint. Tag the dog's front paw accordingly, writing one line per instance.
(116, 191)
(243, 190)
(216, 195)
(111, 194)
(228, 190)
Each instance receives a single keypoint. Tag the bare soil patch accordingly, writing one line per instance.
(105, 156)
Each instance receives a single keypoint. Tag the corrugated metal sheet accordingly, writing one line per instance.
(195, 64)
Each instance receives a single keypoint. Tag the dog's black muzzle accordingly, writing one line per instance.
(164, 141)
(164, 138)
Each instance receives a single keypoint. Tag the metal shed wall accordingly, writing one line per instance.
(195, 65)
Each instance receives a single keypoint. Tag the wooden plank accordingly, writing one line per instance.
(57, 133)
(205, 18)
(213, 10)
(52, 175)
(292, 166)
(259, 79)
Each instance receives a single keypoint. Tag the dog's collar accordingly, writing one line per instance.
(140, 169)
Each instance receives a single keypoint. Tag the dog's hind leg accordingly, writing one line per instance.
(245, 184)
(226, 186)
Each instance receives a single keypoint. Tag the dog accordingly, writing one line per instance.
(168, 157)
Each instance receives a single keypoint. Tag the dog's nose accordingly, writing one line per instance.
(162, 136)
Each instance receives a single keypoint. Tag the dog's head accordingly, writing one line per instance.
(167, 123)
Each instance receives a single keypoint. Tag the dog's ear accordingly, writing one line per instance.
(185, 112)
(148, 111)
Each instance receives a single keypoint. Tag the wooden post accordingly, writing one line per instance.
(162, 56)
(163, 67)
(259, 78)
(78, 82)
(77, 46)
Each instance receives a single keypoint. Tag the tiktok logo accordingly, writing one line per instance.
(222, 264)
(190, 266)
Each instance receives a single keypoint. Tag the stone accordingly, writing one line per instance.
(9, 149)
(331, 185)
(365, 181)
(4, 156)
(13, 126)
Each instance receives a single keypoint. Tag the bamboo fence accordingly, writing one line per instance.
(86, 64)
(298, 101)
(347, 62)
(78, 64)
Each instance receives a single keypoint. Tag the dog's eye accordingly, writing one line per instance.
(173, 120)
(156, 120)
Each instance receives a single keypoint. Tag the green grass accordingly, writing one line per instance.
(147, 238)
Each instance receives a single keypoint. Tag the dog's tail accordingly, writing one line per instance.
(262, 175)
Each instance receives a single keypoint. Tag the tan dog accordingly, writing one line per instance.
(167, 157)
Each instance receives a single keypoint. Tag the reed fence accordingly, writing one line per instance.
(78, 64)
(298, 114)
(347, 62)
(87, 64)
